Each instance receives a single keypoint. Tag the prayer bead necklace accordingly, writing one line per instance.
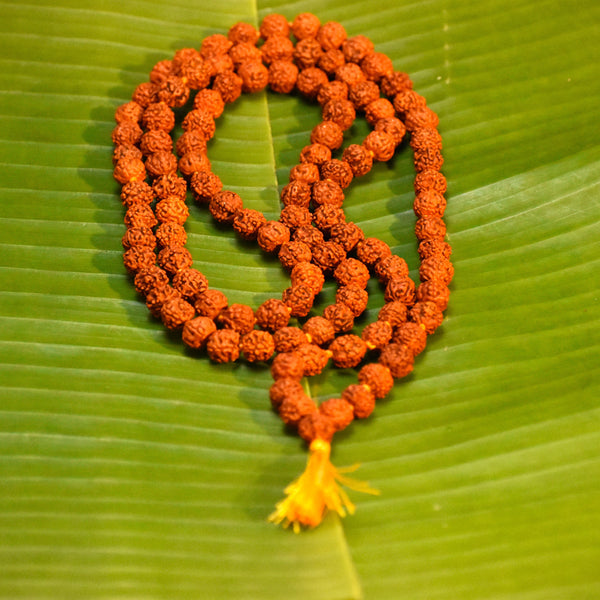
(312, 237)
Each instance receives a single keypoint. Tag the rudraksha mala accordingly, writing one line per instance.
(312, 237)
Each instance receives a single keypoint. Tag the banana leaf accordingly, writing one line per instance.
(132, 468)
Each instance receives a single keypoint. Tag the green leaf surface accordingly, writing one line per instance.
(131, 468)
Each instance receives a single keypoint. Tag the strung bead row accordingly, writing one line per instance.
(312, 238)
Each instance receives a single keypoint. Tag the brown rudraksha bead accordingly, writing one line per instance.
(376, 66)
(229, 85)
(288, 339)
(158, 116)
(161, 163)
(315, 153)
(332, 90)
(434, 247)
(289, 365)
(357, 47)
(428, 159)
(394, 83)
(347, 235)
(294, 216)
(210, 303)
(156, 140)
(297, 193)
(310, 80)
(223, 345)
(150, 277)
(193, 162)
(328, 133)
(352, 272)
(339, 411)
(174, 258)
(157, 296)
(283, 75)
(394, 312)
(434, 291)
(436, 268)
(277, 47)
(293, 408)
(327, 191)
(427, 315)
(314, 357)
(381, 144)
(398, 358)
(327, 216)
(412, 336)
(371, 249)
(363, 93)
(171, 234)
(354, 297)
(328, 255)
(247, 222)
(305, 25)
(309, 275)
(138, 257)
(292, 253)
(307, 53)
(139, 215)
(225, 205)
(339, 171)
(243, 33)
(377, 334)
(401, 289)
(393, 127)
(377, 378)
(190, 283)
(331, 35)
(284, 388)
(129, 169)
(129, 111)
(196, 331)
(254, 75)
(172, 210)
(389, 267)
(209, 101)
(138, 236)
(429, 203)
(347, 351)
(306, 172)
(430, 179)
(350, 74)
(318, 330)
(274, 24)
(430, 228)
(310, 236)
(272, 315)
(341, 317)
(257, 346)
(359, 159)
(340, 112)
(172, 91)
(299, 298)
(127, 133)
(237, 316)
(271, 235)
(175, 312)
(165, 186)
(421, 117)
(136, 192)
(315, 426)
(361, 398)
(379, 109)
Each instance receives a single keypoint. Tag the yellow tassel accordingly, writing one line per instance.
(317, 490)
